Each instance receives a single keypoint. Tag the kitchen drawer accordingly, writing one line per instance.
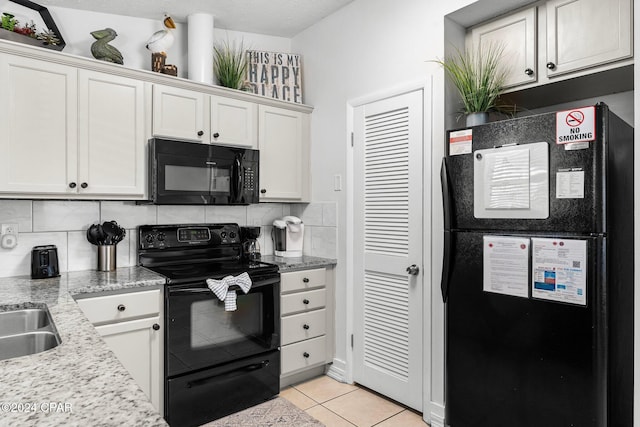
(303, 326)
(303, 301)
(301, 280)
(303, 354)
(115, 308)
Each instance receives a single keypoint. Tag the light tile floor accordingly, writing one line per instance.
(336, 404)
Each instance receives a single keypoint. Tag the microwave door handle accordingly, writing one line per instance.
(237, 168)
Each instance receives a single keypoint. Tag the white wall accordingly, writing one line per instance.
(367, 47)
(133, 34)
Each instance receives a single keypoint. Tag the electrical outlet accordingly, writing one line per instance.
(9, 239)
(9, 229)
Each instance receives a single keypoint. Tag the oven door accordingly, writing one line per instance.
(201, 334)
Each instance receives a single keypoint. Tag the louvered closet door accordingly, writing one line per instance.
(388, 181)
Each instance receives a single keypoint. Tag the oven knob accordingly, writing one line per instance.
(223, 234)
(161, 237)
(149, 238)
(232, 235)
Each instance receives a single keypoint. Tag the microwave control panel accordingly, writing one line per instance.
(249, 179)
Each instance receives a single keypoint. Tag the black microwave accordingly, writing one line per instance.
(188, 173)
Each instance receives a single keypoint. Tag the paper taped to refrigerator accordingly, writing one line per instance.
(570, 184)
(559, 270)
(512, 182)
(506, 265)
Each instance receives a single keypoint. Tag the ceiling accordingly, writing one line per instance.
(284, 18)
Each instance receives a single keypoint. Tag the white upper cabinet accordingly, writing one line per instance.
(111, 129)
(283, 138)
(234, 122)
(69, 132)
(517, 34)
(560, 39)
(586, 33)
(179, 113)
(196, 116)
(38, 118)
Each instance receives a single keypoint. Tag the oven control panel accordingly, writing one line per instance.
(180, 236)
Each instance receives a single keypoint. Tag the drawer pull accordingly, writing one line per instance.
(306, 355)
(305, 327)
(121, 307)
(305, 280)
(156, 327)
(305, 301)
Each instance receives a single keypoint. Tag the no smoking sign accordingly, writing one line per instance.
(577, 125)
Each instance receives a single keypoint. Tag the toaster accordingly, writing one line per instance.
(44, 262)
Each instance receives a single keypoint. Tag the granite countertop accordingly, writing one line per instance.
(304, 262)
(80, 382)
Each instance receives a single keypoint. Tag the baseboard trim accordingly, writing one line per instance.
(337, 370)
(437, 415)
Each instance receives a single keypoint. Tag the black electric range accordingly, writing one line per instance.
(217, 360)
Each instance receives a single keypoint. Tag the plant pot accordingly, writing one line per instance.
(474, 119)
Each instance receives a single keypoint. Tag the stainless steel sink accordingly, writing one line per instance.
(26, 331)
(23, 320)
(27, 343)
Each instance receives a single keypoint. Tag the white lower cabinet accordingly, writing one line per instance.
(131, 325)
(305, 321)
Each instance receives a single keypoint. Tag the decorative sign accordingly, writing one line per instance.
(276, 75)
(577, 125)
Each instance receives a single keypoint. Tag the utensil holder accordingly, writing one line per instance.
(106, 257)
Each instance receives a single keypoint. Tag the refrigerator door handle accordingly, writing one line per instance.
(448, 243)
(447, 202)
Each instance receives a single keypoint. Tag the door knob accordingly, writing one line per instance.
(413, 270)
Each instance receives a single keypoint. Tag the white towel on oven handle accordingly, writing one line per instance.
(221, 289)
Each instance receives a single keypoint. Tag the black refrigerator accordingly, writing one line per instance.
(538, 271)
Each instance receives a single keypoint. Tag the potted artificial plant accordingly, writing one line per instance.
(230, 65)
(479, 77)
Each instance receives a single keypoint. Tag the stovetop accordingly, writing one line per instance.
(194, 252)
(192, 272)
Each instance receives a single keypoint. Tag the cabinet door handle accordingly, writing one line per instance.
(216, 135)
(72, 185)
(305, 355)
(551, 65)
(121, 307)
(84, 185)
(200, 133)
(528, 72)
(305, 327)
(305, 280)
(264, 190)
(305, 301)
(156, 327)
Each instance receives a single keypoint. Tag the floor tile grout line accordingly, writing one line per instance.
(338, 415)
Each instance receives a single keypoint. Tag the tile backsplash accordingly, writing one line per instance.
(64, 224)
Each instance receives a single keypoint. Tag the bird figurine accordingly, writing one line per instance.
(162, 40)
(100, 49)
